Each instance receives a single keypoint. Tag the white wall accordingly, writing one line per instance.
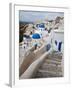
(59, 36)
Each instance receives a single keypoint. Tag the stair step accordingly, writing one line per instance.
(55, 55)
(54, 58)
(40, 75)
(52, 62)
(48, 71)
(47, 76)
(44, 73)
(49, 64)
(51, 67)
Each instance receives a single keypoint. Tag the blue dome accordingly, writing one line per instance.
(40, 25)
(36, 36)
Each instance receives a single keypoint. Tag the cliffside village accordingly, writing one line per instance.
(35, 40)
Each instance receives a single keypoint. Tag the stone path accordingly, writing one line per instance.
(52, 66)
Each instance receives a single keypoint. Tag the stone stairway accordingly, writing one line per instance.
(51, 67)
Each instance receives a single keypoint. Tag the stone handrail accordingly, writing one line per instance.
(30, 58)
(32, 69)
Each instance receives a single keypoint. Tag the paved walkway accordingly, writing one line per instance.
(52, 67)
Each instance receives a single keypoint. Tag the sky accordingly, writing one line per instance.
(32, 16)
